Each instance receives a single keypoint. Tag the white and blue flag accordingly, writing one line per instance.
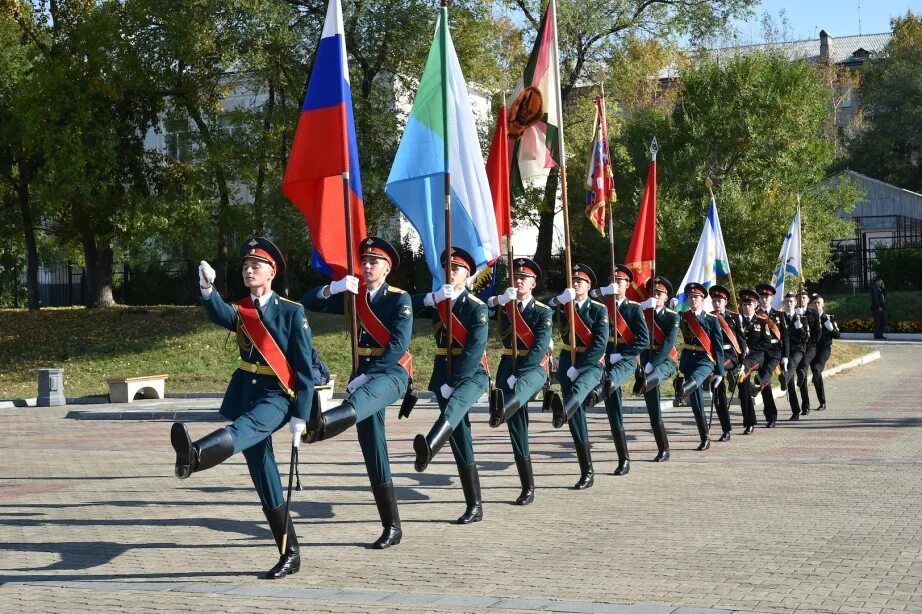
(789, 261)
(710, 259)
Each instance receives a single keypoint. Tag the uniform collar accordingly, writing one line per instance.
(263, 300)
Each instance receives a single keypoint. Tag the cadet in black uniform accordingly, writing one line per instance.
(798, 327)
(776, 351)
(829, 330)
(734, 351)
(751, 328)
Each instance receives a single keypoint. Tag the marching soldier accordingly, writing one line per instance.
(579, 379)
(628, 337)
(798, 327)
(662, 362)
(517, 383)
(386, 325)
(805, 308)
(457, 389)
(754, 356)
(702, 355)
(829, 330)
(272, 386)
(734, 351)
(775, 351)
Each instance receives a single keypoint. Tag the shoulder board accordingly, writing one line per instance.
(671, 311)
(474, 298)
(628, 301)
(291, 301)
(710, 315)
(542, 305)
(732, 313)
(395, 290)
(597, 304)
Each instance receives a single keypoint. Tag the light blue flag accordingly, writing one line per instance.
(789, 261)
(416, 184)
(710, 259)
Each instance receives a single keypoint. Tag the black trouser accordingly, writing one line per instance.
(803, 369)
(880, 322)
(752, 362)
(793, 378)
(766, 371)
(817, 365)
(721, 402)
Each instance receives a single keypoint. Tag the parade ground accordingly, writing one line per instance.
(819, 515)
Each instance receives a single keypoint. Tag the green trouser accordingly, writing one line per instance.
(527, 385)
(369, 402)
(588, 379)
(664, 371)
(455, 410)
(618, 373)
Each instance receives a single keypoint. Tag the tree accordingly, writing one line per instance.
(890, 149)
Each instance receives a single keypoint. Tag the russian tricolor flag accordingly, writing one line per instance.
(324, 148)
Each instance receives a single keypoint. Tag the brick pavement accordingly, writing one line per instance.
(821, 515)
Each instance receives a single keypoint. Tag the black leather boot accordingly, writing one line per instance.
(563, 413)
(594, 396)
(702, 424)
(390, 516)
(470, 484)
(427, 447)
(587, 475)
(688, 388)
(662, 443)
(527, 478)
(640, 385)
(205, 453)
(501, 408)
(290, 560)
(651, 382)
(329, 424)
(624, 458)
(677, 384)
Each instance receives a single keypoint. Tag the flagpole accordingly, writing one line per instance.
(710, 187)
(568, 261)
(654, 149)
(350, 248)
(800, 247)
(609, 213)
(443, 35)
(510, 259)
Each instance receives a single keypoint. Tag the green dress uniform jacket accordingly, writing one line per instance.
(663, 366)
(694, 363)
(618, 373)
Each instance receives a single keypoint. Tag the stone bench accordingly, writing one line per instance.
(124, 389)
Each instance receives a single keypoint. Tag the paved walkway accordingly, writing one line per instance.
(820, 515)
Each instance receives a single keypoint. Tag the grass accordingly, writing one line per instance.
(94, 344)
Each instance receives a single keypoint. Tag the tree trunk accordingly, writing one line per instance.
(546, 221)
(28, 229)
(98, 261)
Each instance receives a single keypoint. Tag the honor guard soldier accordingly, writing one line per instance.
(385, 327)
(806, 308)
(798, 327)
(756, 341)
(702, 355)
(272, 386)
(578, 379)
(628, 337)
(829, 330)
(776, 351)
(662, 362)
(456, 388)
(734, 350)
(518, 381)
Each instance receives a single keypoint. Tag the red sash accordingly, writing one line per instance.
(458, 330)
(770, 323)
(522, 330)
(376, 328)
(256, 330)
(658, 334)
(624, 331)
(582, 331)
(729, 334)
(703, 339)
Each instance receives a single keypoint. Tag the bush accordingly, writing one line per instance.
(899, 267)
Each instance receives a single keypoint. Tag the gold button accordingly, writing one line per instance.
(254, 380)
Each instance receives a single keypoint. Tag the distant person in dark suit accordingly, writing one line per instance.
(879, 307)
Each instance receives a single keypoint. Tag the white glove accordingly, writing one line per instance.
(296, 426)
(566, 296)
(572, 373)
(491, 301)
(673, 302)
(784, 364)
(445, 292)
(716, 381)
(356, 383)
(511, 380)
(650, 303)
(798, 324)
(348, 283)
(608, 290)
(828, 325)
(206, 274)
(799, 311)
(615, 358)
(648, 368)
(509, 295)
(446, 390)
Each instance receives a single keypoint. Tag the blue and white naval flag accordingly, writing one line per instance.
(710, 259)
(789, 261)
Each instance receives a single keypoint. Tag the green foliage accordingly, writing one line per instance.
(899, 267)
(891, 98)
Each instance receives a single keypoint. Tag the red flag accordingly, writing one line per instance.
(498, 176)
(641, 255)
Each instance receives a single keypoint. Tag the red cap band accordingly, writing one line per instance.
(261, 254)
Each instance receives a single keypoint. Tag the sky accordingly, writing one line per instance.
(838, 17)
